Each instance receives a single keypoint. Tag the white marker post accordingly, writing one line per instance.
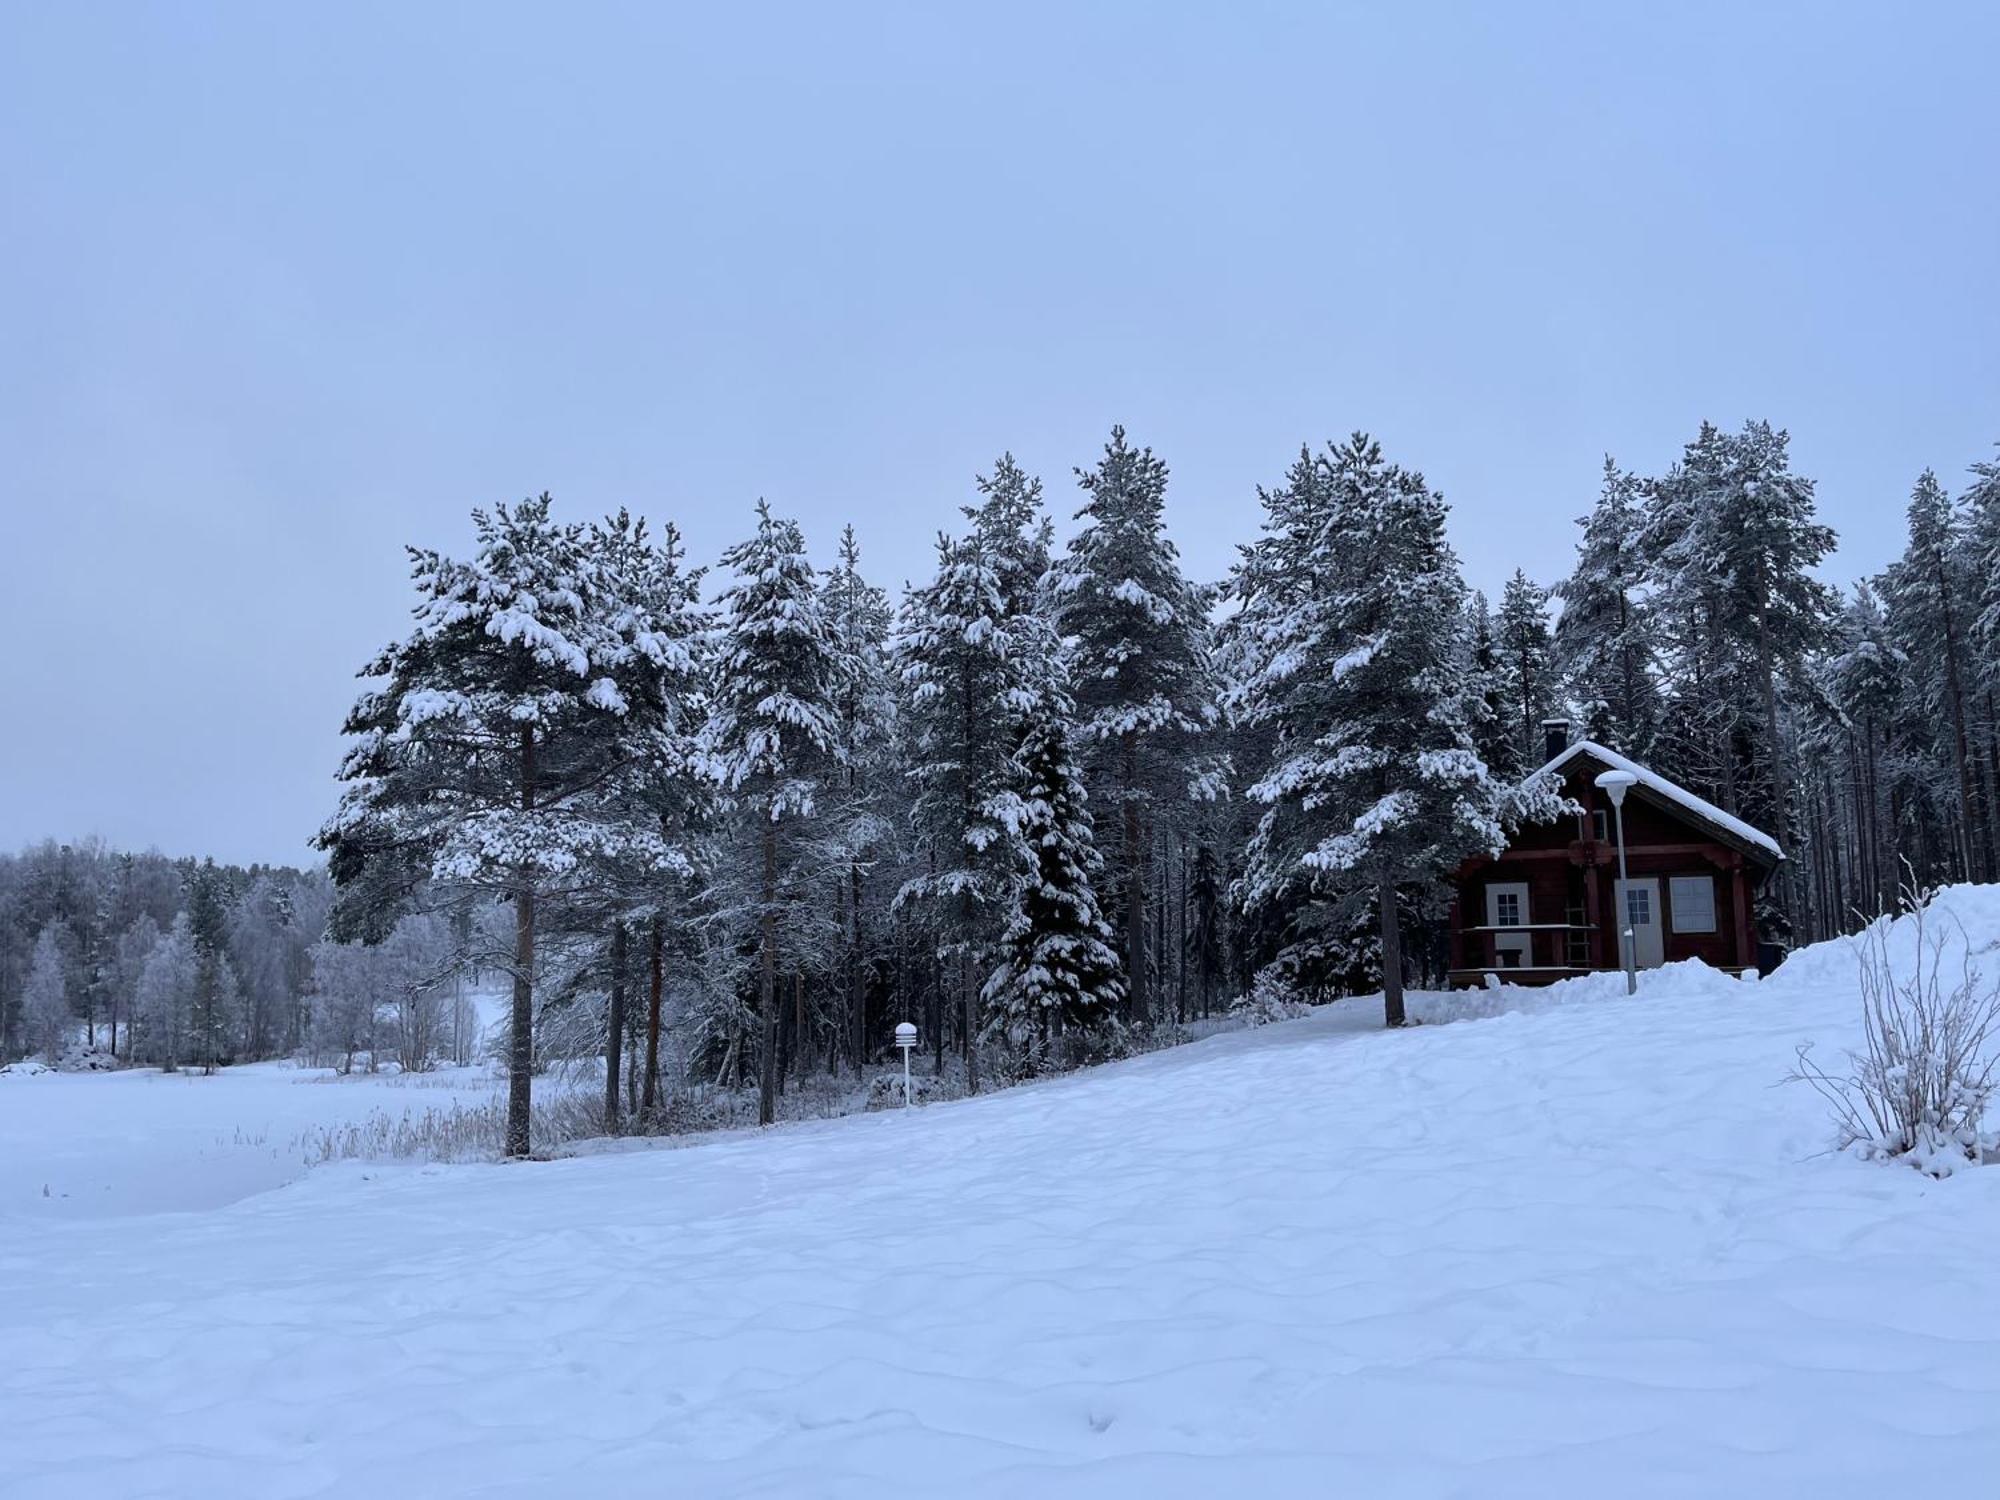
(1615, 784)
(906, 1038)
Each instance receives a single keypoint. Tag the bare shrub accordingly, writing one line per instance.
(1918, 1089)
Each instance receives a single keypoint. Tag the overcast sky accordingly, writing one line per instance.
(284, 287)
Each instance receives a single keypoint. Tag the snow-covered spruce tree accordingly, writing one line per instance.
(1521, 641)
(1056, 974)
(48, 1018)
(1375, 788)
(480, 753)
(213, 1021)
(962, 672)
(1146, 690)
(1603, 647)
(859, 619)
(1928, 594)
(772, 740)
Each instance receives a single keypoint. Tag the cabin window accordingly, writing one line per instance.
(1638, 905)
(1600, 822)
(1693, 898)
(1507, 906)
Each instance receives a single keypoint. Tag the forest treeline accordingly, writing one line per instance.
(733, 826)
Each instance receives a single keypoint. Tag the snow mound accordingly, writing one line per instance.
(1585, 1247)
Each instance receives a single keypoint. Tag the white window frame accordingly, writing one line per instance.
(1674, 907)
(1499, 890)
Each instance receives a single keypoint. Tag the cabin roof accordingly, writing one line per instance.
(1731, 830)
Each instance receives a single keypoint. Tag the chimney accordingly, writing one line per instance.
(1555, 737)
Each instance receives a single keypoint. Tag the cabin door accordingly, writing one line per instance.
(1641, 901)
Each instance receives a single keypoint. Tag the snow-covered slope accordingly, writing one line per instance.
(1591, 1250)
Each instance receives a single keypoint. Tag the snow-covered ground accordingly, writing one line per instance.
(95, 1144)
(1593, 1248)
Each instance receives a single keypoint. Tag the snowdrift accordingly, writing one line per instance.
(1580, 1245)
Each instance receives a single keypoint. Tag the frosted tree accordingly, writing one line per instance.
(480, 753)
(1929, 596)
(655, 797)
(859, 620)
(214, 1015)
(1375, 789)
(962, 674)
(1981, 554)
(1495, 732)
(163, 1006)
(1603, 647)
(1056, 972)
(135, 946)
(1521, 644)
(346, 1004)
(1146, 689)
(1014, 534)
(1734, 540)
(772, 741)
(50, 1019)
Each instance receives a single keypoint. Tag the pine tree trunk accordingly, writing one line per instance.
(801, 1052)
(1992, 790)
(650, 1089)
(614, 1028)
(1392, 955)
(767, 984)
(969, 991)
(521, 1029)
(1135, 885)
(857, 987)
(1781, 787)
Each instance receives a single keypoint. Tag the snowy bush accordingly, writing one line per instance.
(1271, 998)
(1918, 1089)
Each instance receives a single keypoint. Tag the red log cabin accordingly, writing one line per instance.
(1543, 909)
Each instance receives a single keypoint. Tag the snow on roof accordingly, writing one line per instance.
(1680, 796)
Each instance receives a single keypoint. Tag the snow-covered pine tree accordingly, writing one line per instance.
(1495, 734)
(1864, 679)
(772, 741)
(1056, 972)
(48, 1018)
(1981, 504)
(1146, 689)
(859, 619)
(654, 795)
(963, 687)
(1014, 533)
(1521, 641)
(478, 755)
(1376, 788)
(1734, 540)
(1928, 596)
(1603, 647)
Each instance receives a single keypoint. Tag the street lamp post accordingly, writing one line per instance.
(906, 1038)
(1615, 784)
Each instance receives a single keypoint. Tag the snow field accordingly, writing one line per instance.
(1590, 1248)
